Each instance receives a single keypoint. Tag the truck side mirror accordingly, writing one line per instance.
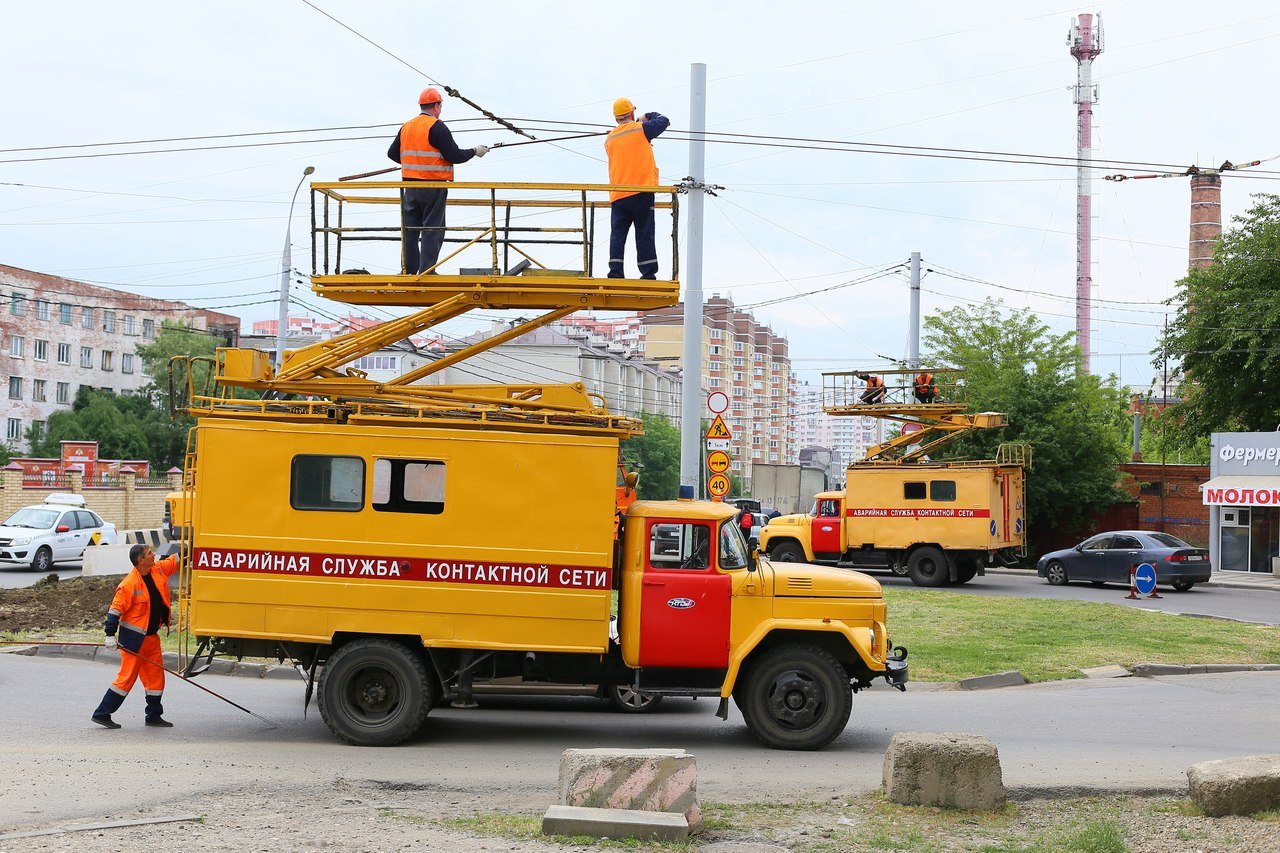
(753, 562)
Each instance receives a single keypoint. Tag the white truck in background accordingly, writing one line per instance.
(789, 489)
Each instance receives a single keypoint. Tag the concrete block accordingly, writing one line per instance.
(1150, 670)
(615, 823)
(953, 770)
(106, 560)
(82, 652)
(1236, 786)
(249, 670)
(281, 671)
(1110, 671)
(655, 780)
(1012, 678)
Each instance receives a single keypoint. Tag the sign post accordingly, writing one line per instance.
(718, 443)
(1142, 581)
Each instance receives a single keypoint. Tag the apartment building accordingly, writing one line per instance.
(57, 334)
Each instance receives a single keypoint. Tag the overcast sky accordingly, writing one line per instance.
(1180, 83)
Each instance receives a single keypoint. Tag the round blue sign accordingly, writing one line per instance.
(1144, 578)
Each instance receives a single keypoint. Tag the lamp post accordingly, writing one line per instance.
(286, 264)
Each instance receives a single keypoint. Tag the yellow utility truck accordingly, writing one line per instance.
(411, 543)
(935, 522)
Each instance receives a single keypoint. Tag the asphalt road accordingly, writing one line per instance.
(1122, 734)
(13, 576)
(1244, 604)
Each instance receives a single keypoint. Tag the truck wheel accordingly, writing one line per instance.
(797, 697)
(787, 552)
(374, 692)
(627, 699)
(928, 567)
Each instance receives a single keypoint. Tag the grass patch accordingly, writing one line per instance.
(953, 636)
(1271, 816)
(1183, 807)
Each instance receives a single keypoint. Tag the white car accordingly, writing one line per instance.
(58, 529)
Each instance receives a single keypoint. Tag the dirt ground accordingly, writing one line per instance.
(73, 605)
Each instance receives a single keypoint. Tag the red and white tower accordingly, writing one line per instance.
(1086, 43)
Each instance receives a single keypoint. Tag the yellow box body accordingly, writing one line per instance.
(538, 504)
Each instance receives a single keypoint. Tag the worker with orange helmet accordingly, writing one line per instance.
(425, 150)
(925, 388)
(140, 606)
(630, 149)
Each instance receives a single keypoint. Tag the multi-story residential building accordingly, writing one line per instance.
(57, 334)
(742, 358)
(849, 436)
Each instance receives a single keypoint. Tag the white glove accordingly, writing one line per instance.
(110, 642)
(481, 150)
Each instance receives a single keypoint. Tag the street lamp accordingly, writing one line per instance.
(286, 265)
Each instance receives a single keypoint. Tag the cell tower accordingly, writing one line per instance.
(1086, 43)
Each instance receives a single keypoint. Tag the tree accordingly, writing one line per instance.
(658, 452)
(172, 341)
(1224, 334)
(1075, 422)
(94, 416)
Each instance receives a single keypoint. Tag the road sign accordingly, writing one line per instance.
(718, 402)
(717, 444)
(718, 485)
(718, 462)
(1144, 578)
(719, 429)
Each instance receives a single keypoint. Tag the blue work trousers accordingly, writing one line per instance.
(634, 210)
(422, 217)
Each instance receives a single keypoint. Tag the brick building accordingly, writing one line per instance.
(57, 334)
(1169, 498)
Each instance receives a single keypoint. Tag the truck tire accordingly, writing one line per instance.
(966, 569)
(787, 552)
(928, 567)
(796, 696)
(374, 692)
(627, 699)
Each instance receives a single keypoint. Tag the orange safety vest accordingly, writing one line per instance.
(132, 604)
(631, 160)
(418, 160)
(874, 381)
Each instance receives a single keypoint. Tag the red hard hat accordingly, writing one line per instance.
(430, 96)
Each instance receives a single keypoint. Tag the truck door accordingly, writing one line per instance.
(684, 602)
(825, 535)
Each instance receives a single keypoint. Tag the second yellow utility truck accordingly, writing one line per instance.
(410, 542)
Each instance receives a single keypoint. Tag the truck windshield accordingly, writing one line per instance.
(733, 550)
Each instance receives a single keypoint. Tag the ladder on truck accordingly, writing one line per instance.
(941, 420)
(316, 382)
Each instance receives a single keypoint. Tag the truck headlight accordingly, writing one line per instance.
(873, 642)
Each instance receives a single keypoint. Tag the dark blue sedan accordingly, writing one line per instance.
(1108, 558)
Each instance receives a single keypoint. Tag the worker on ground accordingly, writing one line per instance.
(140, 606)
(425, 150)
(925, 388)
(875, 389)
(631, 163)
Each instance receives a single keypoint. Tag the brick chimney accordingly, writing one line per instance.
(1206, 217)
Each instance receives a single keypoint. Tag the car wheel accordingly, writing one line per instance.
(627, 699)
(374, 692)
(928, 567)
(796, 697)
(1183, 585)
(1056, 574)
(787, 552)
(43, 560)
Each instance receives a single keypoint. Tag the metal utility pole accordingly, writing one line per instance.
(286, 265)
(691, 381)
(1086, 44)
(913, 338)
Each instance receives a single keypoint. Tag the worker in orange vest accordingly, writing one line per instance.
(925, 388)
(425, 150)
(631, 163)
(875, 390)
(140, 606)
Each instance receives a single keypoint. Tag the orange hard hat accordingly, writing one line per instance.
(430, 96)
(622, 107)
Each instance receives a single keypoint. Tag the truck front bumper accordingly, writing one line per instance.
(895, 669)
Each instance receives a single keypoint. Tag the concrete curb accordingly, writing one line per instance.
(1012, 678)
(243, 669)
(615, 823)
(1151, 670)
(1270, 584)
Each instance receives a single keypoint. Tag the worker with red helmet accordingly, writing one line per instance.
(425, 150)
(140, 606)
(630, 149)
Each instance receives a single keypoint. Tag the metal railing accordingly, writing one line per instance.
(848, 392)
(567, 212)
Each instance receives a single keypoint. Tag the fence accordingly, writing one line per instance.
(131, 503)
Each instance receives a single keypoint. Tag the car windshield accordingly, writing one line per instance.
(1169, 541)
(733, 550)
(39, 519)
